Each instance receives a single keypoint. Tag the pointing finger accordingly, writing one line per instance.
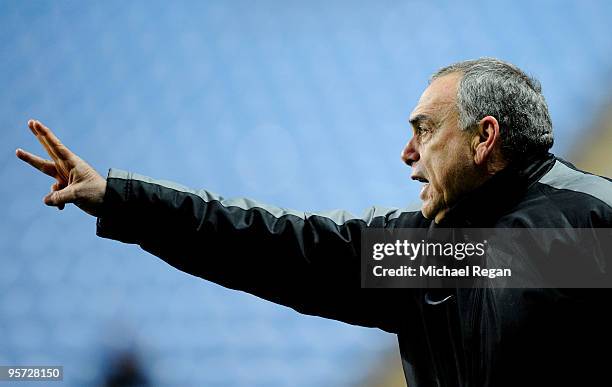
(53, 141)
(45, 166)
(52, 144)
(42, 140)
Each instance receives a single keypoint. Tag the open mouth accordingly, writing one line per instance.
(424, 190)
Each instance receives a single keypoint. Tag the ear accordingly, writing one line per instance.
(486, 138)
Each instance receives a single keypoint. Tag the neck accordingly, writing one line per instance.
(497, 185)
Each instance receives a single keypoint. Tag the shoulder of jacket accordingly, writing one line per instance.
(565, 197)
(565, 176)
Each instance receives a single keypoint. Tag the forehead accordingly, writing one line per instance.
(440, 95)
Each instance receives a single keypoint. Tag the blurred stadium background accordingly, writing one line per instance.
(299, 104)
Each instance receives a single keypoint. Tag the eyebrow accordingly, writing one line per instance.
(416, 120)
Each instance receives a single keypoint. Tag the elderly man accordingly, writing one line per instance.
(481, 135)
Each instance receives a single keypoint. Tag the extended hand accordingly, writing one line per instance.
(76, 181)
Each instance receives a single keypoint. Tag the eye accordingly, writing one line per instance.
(423, 133)
(423, 129)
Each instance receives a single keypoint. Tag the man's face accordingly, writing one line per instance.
(439, 152)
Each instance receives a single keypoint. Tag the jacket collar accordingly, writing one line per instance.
(501, 192)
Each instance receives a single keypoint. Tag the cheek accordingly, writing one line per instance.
(458, 174)
(439, 166)
(447, 169)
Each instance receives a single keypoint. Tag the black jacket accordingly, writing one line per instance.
(311, 263)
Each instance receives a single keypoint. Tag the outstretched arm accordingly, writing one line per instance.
(309, 262)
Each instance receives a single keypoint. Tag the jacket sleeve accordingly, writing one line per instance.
(309, 262)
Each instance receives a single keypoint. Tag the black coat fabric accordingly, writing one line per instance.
(311, 263)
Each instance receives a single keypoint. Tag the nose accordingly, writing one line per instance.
(410, 155)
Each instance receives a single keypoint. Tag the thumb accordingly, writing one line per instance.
(60, 198)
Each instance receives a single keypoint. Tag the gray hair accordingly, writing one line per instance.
(491, 87)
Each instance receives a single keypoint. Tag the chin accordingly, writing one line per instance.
(427, 212)
(430, 210)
